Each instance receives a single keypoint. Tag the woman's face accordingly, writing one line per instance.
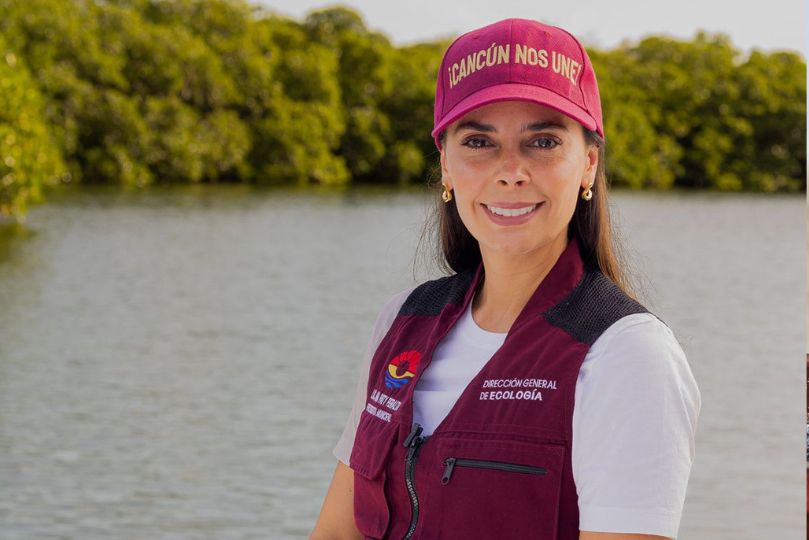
(516, 169)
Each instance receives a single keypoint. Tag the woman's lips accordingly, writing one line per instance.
(503, 213)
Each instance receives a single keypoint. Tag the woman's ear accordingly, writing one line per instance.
(445, 176)
(589, 176)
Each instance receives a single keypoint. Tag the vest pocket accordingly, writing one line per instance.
(498, 489)
(372, 445)
(451, 463)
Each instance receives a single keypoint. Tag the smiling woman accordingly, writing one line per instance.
(527, 394)
(515, 168)
(515, 183)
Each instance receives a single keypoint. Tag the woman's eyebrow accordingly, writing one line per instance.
(539, 126)
(488, 128)
(474, 125)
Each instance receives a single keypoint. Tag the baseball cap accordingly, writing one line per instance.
(517, 59)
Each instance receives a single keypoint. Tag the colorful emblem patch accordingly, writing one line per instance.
(402, 368)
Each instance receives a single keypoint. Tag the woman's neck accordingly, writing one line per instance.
(509, 282)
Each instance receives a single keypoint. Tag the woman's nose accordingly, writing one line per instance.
(513, 170)
(511, 180)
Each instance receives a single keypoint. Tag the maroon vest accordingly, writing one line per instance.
(499, 465)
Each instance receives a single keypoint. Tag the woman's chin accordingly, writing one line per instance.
(521, 247)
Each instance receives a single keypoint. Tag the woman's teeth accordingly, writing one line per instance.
(511, 212)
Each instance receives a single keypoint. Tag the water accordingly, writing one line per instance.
(178, 363)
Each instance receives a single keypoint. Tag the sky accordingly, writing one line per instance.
(769, 25)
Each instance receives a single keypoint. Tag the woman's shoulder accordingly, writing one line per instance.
(592, 307)
(425, 298)
(640, 346)
(430, 297)
(641, 331)
(391, 308)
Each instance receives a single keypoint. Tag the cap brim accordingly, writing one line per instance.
(515, 92)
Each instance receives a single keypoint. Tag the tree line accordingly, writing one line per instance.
(133, 92)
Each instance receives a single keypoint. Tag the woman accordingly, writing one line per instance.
(527, 395)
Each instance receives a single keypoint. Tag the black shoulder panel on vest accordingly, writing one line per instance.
(592, 307)
(430, 297)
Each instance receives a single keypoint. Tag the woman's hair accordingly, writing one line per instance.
(457, 250)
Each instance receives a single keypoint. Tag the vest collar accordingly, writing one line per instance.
(565, 274)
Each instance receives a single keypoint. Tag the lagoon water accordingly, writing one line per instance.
(178, 363)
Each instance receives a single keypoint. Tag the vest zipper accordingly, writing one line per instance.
(413, 441)
(451, 463)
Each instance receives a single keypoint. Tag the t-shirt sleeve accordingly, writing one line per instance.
(634, 423)
(383, 323)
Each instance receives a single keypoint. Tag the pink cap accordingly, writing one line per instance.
(517, 59)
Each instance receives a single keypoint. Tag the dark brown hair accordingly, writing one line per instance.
(457, 250)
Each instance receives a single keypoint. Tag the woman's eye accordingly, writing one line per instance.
(545, 142)
(476, 142)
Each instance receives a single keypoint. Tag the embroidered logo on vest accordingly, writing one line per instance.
(401, 369)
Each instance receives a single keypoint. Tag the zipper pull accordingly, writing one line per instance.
(414, 433)
(449, 466)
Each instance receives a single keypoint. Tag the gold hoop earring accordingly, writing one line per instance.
(446, 195)
(587, 194)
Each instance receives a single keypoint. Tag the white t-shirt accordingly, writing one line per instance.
(634, 418)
